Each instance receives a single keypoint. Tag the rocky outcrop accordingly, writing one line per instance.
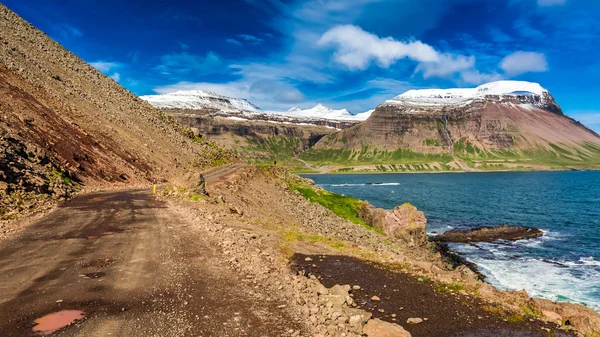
(27, 176)
(489, 234)
(404, 222)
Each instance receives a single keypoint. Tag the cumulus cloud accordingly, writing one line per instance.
(545, 3)
(356, 48)
(473, 76)
(522, 62)
(116, 77)
(105, 66)
(446, 65)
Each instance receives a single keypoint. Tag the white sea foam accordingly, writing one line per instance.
(576, 282)
(367, 184)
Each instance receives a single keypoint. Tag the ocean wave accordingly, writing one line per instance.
(575, 284)
(589, 261)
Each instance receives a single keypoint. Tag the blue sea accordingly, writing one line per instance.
(563, 265)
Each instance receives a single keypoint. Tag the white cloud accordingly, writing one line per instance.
(475, 77)
(446, 65)
(250, 38)
(356, 49)
(67, 31)
(116, 77)
(524, 62)
(104, 66)
(234, 42)
(545, 3)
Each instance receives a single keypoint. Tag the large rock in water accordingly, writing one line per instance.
(489, 234)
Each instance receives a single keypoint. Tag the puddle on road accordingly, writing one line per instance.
(95, 275)
(55, 321)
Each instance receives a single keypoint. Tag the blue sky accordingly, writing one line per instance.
(344, 53)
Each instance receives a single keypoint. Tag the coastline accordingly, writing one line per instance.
(261, 224)
(458, 257)
(439, 172)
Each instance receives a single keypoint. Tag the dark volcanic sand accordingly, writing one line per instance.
(448, 314)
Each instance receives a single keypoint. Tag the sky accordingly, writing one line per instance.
(351, 54)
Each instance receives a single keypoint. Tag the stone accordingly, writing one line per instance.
(375, 298)
(407, 223)
(356, 287)
(379, 328)
(553, 316)
(414, 320)
(489, 234)
(308, 259)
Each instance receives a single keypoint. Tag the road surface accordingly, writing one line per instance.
(135, 266)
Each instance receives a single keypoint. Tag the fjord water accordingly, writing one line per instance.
(563, 265)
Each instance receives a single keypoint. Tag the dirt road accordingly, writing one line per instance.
(135, 267)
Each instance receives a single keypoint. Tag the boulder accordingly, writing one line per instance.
(489, 234)
(406, 222)
(379, 328)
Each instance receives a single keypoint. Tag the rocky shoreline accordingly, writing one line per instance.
(263, 195)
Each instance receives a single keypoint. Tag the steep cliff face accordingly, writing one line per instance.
(256, 140)
(499, 120)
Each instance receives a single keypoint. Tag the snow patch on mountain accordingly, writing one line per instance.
(199, 99)
(241, 108)
(465, 96)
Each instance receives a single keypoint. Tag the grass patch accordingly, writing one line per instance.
(425, 278)
(343, 206)
(514, 319)
(448, 287)
(59, 176)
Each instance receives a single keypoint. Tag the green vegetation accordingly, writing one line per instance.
(448, 287)
(431, 142)
(425, 278)
(515, 319)
(367, 156)
(343, 206)
(59, 176)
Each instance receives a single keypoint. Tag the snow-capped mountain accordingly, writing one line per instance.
(321, 111)
(198, 100)
(530, 92)
(215, 105)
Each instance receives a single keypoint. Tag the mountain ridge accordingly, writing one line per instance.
(499, 126)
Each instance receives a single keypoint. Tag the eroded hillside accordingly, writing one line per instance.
(65, 123)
